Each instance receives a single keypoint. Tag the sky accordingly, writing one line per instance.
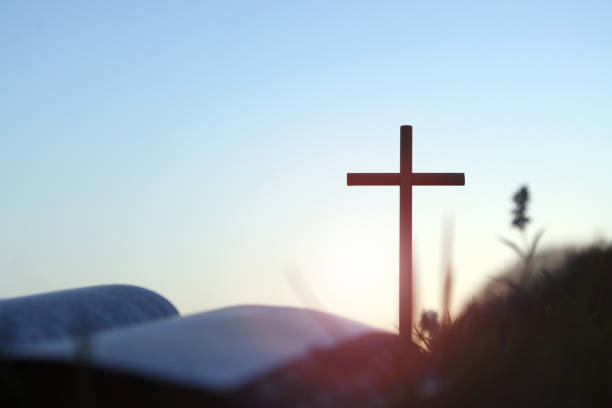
(200, 149)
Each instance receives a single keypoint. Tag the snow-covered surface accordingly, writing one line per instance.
(219, 350)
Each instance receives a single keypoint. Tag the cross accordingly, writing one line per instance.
(405, 179)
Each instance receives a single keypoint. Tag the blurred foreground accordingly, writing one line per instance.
(541, 341)
(545, 341)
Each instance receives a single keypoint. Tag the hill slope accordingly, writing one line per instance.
(545, 342)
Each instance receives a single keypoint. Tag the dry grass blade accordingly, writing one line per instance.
(513, 246)
(533, 247)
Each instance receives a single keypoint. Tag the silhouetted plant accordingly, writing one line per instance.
(429, 327)
(546, 344)
(521, 197)
(520, 221)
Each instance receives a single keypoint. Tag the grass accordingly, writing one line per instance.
(546, 341)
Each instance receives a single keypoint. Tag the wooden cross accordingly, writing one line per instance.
(405, 179)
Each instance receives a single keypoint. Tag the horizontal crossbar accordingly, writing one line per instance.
(393, 179)
(372, 179)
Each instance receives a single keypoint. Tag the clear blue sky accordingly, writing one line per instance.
(200, 149)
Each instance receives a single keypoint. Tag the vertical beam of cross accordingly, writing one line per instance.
(405, 244)
(405, 179)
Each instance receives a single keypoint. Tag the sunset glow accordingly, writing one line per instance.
(201, 150)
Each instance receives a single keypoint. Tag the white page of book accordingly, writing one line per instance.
(218, 350)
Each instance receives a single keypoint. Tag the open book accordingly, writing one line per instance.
(133, 341)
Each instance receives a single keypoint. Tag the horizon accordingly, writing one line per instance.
(202, 151)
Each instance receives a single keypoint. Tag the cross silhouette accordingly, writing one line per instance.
(405, 179)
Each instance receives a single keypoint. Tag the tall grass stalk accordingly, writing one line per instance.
(520, 220)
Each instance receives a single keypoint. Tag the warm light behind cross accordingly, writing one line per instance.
(405, 179)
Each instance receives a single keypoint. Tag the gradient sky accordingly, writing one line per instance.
(200, 149)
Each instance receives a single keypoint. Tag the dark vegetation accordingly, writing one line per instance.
(539, 335)
(544, 342)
